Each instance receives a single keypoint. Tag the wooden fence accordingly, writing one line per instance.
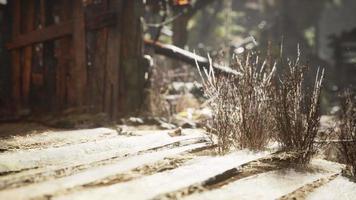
(76, 54)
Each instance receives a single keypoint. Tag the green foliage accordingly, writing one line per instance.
(310, 36)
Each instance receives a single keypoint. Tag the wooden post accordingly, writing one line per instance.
(99, 65)
(113, 63)
(15, 55)
(78, 72)
(63, 59)
(49, 61)
(132, 71)
(26, 71)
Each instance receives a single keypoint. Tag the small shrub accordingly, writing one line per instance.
(221, 93)
(347, 133)
(254, 122)
(296, 112)
(240, 104)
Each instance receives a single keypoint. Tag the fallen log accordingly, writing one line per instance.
(188, 57)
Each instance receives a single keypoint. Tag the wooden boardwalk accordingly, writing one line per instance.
(104, 164)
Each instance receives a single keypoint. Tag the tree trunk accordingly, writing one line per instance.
(180, 32)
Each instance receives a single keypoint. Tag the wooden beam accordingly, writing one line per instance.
(60, 30)
(42, 35)
(101, 20)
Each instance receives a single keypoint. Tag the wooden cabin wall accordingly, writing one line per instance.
(2, 83)
(67, 55)
(5, 70)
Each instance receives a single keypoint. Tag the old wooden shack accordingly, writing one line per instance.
(71, 54)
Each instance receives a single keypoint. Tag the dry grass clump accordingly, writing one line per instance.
(221, 93)
(253, 107)
(296, 111)
(254, 124)
(347, 133)
(240, 104)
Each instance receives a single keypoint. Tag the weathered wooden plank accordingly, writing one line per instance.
(15, 55)
(339, 188)
(111, 98)
(63, 64)
(78, 72)
(271, 185)
(26, 70)
(88, 152)
(148, 187)
(56, 139)
(49, 33)
(131, 68)
(38, 78)
(55, 186)
(49, 60)
(60, 30)
(101, 20)
(98, 68)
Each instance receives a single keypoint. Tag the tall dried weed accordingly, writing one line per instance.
(240, 104)
(296, 111)
(347, 132)
(256, 106)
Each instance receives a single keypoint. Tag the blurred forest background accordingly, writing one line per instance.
(323, 30)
